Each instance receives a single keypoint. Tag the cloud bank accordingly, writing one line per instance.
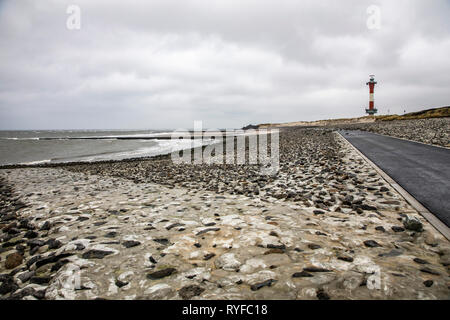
(163, 64)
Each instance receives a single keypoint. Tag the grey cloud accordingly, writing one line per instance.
(164, 64)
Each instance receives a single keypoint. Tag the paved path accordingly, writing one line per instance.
(422, 170)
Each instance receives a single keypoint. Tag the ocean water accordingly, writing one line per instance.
(56, 146)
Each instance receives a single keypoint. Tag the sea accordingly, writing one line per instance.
(59, 146)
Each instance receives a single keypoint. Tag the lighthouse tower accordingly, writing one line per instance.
(371, 111)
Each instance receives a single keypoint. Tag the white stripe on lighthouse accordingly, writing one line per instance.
(371, 97)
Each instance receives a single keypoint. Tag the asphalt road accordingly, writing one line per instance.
(422, 170)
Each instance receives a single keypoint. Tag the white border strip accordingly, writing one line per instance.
(435, 222)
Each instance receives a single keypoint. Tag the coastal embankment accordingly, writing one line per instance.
(325, 226)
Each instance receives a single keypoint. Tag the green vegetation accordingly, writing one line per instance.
(441, 112)
(424, 114)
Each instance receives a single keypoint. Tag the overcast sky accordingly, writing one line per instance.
(163, 64)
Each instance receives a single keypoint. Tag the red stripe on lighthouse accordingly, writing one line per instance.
(371, 102)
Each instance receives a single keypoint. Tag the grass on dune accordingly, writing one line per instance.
(424, 114)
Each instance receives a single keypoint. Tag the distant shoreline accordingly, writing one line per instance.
(440, 112)
(433, 131)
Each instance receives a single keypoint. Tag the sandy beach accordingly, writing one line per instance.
(326, 226)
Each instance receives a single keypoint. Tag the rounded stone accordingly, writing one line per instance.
(13, 260)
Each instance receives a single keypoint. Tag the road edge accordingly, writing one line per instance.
(424, 212)
(427, 144)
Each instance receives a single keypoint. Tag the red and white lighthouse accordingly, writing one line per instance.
(371, 111)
